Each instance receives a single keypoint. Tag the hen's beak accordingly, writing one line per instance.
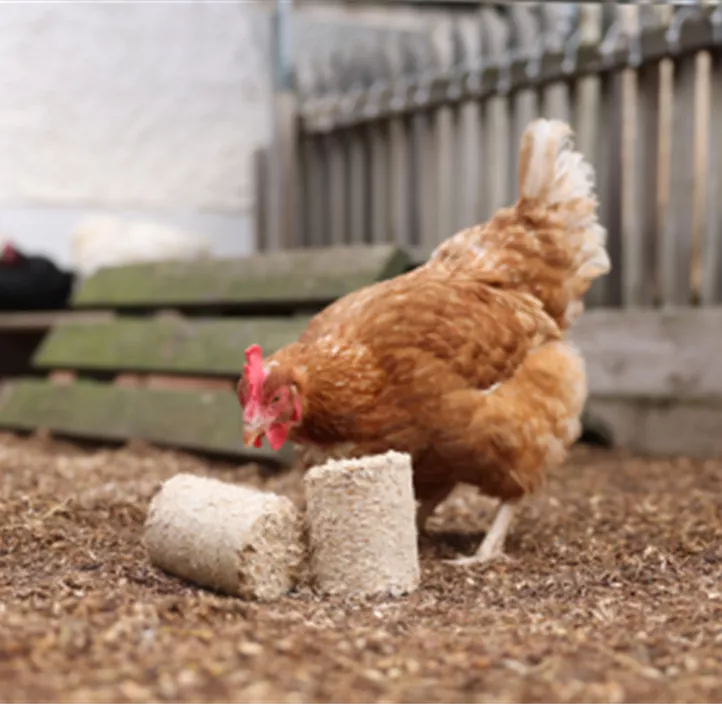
(252, 437)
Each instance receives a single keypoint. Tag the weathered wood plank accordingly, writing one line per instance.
(647, 156)
(496, 147)
(586, 90)
(587, 97)
(651, 427)
(336, 201)
(315, 195)
(556, 101)
(712, 252)
(447, 172)
(471, 145)
(425, 180)
(677, 233)
(261, 198)
(209, 421)
(636, 259)
(399, 182)
(702, 186)
(669, 354)
(378, 183)
(283, 225)
(182, 346)
(358, 163)
(44, 321)
(663, 173)
(607, 290)
(284, 279)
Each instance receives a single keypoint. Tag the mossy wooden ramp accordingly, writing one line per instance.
(162, 365)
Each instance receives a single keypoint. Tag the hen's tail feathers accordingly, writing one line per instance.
(550, 244)
(555, 176)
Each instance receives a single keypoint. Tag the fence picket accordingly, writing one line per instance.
(701, 156)
(336, 202)
(425, 178)
(314, 230)
(446, 174)
(357, 189)
(677, 226)
(647, 159)
(634, 258)
(400, 193)
(379, 181)
(711, 290)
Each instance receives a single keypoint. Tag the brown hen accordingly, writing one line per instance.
(462, 362)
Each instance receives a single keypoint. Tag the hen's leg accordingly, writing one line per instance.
(492, 547)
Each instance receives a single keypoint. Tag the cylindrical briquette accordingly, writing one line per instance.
(232, 538)
(361, 518)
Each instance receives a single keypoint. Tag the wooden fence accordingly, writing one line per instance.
(409, 135)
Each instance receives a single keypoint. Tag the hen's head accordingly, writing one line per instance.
(270, 399)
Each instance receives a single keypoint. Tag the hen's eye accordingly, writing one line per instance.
(276, 398)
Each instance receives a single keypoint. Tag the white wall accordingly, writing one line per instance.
(150, 108)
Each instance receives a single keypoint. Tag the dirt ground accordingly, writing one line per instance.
(614, 593)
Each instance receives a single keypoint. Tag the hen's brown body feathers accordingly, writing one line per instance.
(462, 362)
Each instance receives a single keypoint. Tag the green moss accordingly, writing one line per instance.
(182, 346)
(193, 420)
(286, 278)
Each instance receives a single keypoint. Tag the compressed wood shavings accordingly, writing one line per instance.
(361, 518)
(235, 539)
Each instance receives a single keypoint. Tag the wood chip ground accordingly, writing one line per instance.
(613, 593)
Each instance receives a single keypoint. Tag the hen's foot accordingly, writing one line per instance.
(478, 559)
(492, 547)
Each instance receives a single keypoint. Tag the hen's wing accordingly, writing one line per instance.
(428, 321)
(477, 332)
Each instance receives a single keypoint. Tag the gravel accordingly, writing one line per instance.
(613, 593)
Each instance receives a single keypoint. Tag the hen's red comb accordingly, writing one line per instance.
(253, 371)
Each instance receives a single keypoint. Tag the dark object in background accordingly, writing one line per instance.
(31, 282)
(595, 432)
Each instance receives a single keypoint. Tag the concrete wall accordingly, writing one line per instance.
(140, 108)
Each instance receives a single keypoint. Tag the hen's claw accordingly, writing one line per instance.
(481, 560)
(492, 547)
